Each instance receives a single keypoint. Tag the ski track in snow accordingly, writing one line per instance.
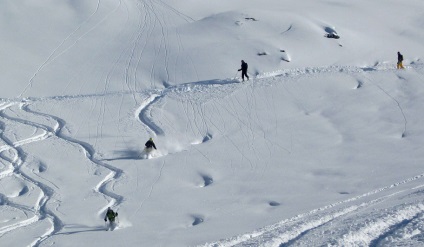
(143, 113)
(284, 233)
(289, 232)
(41, 211)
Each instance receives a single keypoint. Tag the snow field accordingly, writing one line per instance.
(321, 147)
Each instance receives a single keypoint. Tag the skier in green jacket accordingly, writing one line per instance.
(110, 215)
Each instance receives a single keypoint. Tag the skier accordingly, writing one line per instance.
(110, 215)
(400, 60)
(150, 145)
(243, 70)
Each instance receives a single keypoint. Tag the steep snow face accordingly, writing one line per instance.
(322, 146)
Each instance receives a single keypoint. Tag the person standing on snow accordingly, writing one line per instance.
(149, 145)
(400, 60)
(243, 70)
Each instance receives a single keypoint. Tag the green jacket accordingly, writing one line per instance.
(110, 215)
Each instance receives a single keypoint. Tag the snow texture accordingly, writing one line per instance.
(323, 146)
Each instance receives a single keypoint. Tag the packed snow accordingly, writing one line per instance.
(323, 146)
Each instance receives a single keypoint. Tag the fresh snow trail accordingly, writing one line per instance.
(273, 235)
(152, 186)
(53, 55)
(400, 108)
(40, 210)
(115, 173)
(289, 232)
(143, 114)
(43, 211)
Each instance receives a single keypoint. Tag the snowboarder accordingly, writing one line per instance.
(111, 215)
(150, 145)
(243, 70)
(400, 60)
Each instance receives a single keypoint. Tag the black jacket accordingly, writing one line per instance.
(400, 57)
(110, 215)
(243, 67)
(150, 144)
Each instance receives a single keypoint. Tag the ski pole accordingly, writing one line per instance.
(235, 75)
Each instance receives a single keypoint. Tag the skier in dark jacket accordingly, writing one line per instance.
(243, 70)
(400, 60)
(110, 215)
(150, 144)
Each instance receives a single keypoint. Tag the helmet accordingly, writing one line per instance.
(151, 139)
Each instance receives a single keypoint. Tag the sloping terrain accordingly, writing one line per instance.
(322, 146)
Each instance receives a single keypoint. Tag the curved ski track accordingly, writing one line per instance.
(299, 230)
(153, 15)
(285, 233)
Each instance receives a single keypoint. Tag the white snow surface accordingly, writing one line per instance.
(323, 146)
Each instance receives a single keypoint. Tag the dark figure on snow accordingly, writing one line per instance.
(243, 70)
(150, 144)
(110, 215)
(400, 60)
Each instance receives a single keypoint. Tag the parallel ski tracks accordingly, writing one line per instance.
(41, 211)
(273, 236)
(293, 231)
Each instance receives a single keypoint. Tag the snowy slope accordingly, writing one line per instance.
(323, 146)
